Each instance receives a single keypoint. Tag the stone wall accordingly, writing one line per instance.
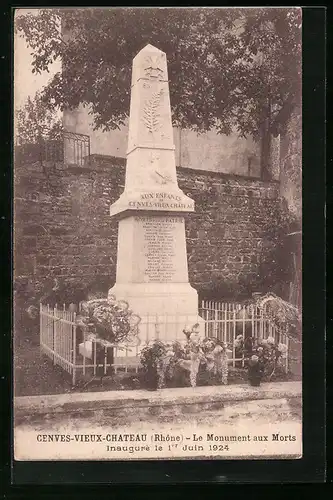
(291, 165)
(63, 228)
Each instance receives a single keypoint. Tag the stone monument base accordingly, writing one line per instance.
(158, 298)
(164, 309)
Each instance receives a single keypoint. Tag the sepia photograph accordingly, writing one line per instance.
(157, 233)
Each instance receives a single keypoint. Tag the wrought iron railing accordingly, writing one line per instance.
(64, 147)
(76, 148)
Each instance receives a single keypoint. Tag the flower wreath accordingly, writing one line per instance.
(110, 320)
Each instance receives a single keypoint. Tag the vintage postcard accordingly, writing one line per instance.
(157, 233)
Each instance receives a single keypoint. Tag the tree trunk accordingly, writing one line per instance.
(265, 155)
(266, 139)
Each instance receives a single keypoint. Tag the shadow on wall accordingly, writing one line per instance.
(208, 151)
(217, 152)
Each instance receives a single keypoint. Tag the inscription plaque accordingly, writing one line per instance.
(161, 245)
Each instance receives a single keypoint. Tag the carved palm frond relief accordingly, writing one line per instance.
(151, 115)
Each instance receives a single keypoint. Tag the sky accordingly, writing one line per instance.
(25, 82)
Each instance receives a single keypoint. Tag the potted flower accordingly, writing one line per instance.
(210, 353)
(255, 370)
(217, 355)
(270, 353)
(263, 357)
(151, 357)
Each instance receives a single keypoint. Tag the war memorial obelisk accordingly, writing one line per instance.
(152, 272)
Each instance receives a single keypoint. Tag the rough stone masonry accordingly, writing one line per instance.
(63, 227)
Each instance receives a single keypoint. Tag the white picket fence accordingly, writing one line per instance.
(228, 320)
(61, 338)
(58, 337)
(64, 342)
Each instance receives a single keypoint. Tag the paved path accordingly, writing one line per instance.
(243, 392)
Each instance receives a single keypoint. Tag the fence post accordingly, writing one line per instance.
(95, 355)
(54, 333)
(244, 309)
(147, 328)
(261, 323)
(234, 336)
(215, 321)
(40, 326)
(157, 328)
(106, 358)
(74, 348)
(84, 347)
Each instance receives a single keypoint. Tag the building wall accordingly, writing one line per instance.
(63, 228)
(208, 151)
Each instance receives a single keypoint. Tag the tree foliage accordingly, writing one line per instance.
(270, 77)
(228, 68)
(35, 122)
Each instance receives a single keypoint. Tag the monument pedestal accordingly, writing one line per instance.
(164, 310)
(152, 274)
(176, 299)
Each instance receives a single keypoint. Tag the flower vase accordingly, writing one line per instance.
(255, 382)
(254, 374)
(151, 378)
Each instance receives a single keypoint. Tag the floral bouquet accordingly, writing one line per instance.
(161, 360)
